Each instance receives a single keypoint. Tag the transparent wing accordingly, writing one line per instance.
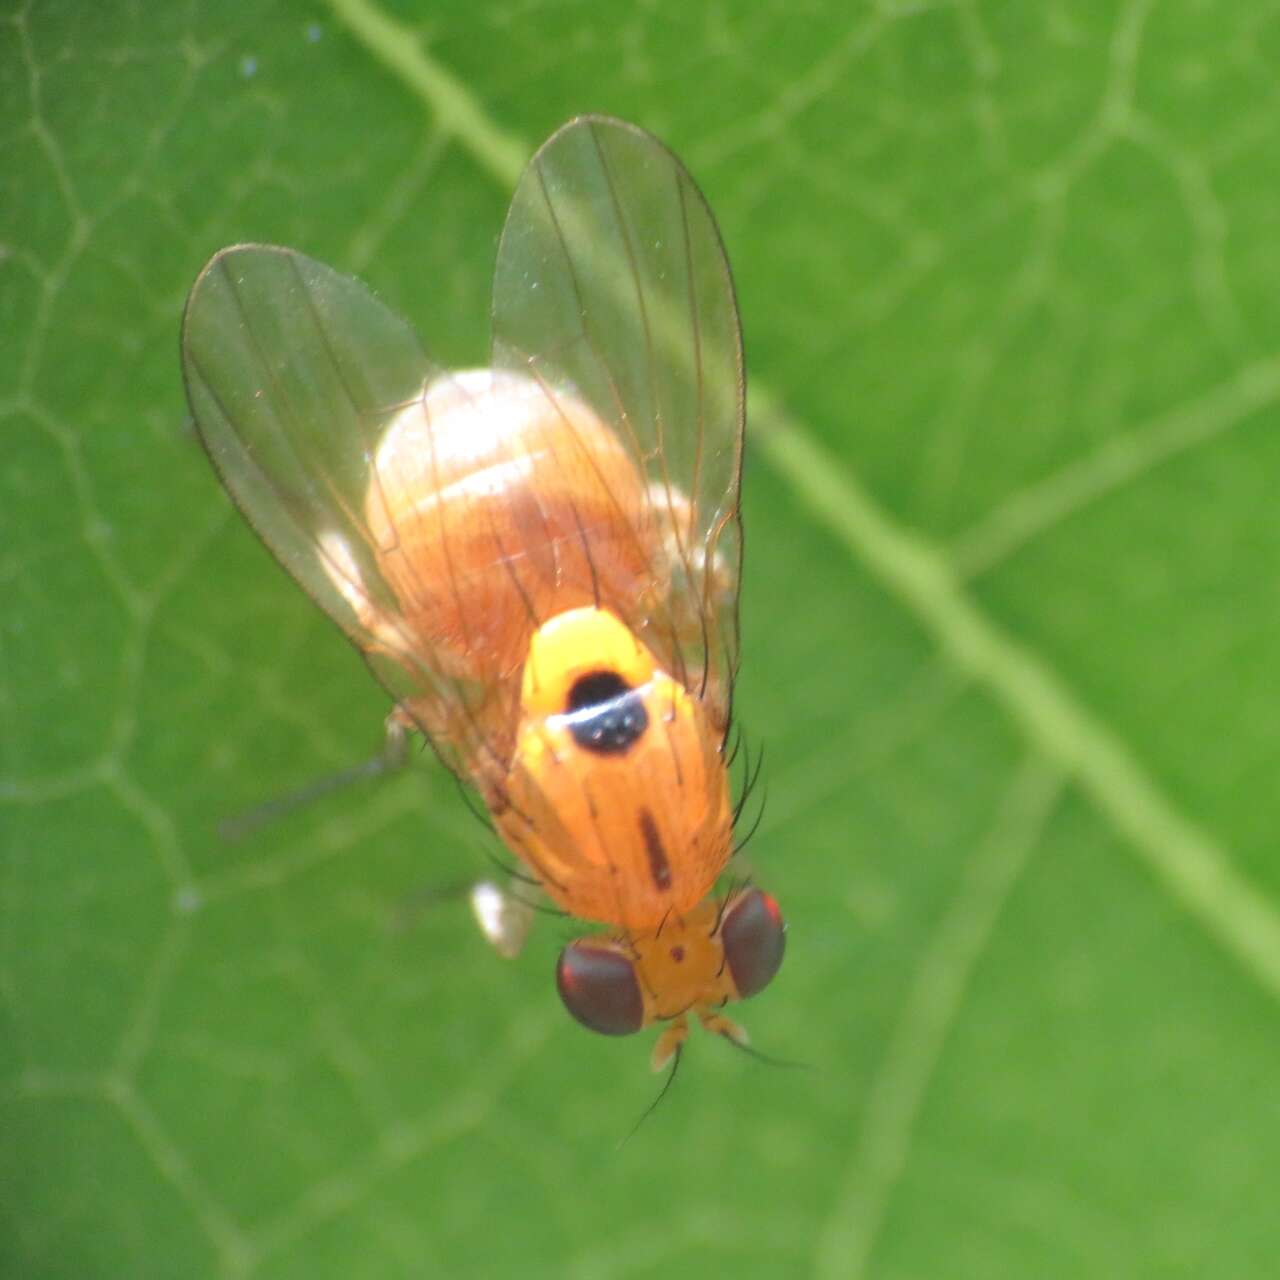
(612, 285)
(293, 373)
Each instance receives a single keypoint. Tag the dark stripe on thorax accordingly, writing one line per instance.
(659, 867)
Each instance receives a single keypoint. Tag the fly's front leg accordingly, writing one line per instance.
(674, 1034)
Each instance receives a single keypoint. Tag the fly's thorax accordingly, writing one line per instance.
(617, 797)
(496, 503)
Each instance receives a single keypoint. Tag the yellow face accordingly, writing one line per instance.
(693, 964)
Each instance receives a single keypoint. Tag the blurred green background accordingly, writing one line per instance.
(1008, 276)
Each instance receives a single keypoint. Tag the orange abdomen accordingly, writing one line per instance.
(495, 507)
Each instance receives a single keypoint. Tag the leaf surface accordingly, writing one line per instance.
(1008, 278)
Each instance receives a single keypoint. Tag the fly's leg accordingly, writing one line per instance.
(719, 1025)
(674, 1034)
(395, 742)
(390, 759)
(504, 917)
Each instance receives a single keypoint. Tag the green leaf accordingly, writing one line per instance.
(1008, 277)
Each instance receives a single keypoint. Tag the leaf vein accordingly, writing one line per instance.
(1123, 459)
(932, 1006)
(1185, 859)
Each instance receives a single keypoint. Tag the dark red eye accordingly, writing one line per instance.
(754, 936)
(597, 981)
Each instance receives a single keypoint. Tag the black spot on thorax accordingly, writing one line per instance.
(605, 714)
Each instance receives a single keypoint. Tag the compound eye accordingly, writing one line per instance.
(598, 983)
(754, 935)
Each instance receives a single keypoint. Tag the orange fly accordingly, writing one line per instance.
(538, 560)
